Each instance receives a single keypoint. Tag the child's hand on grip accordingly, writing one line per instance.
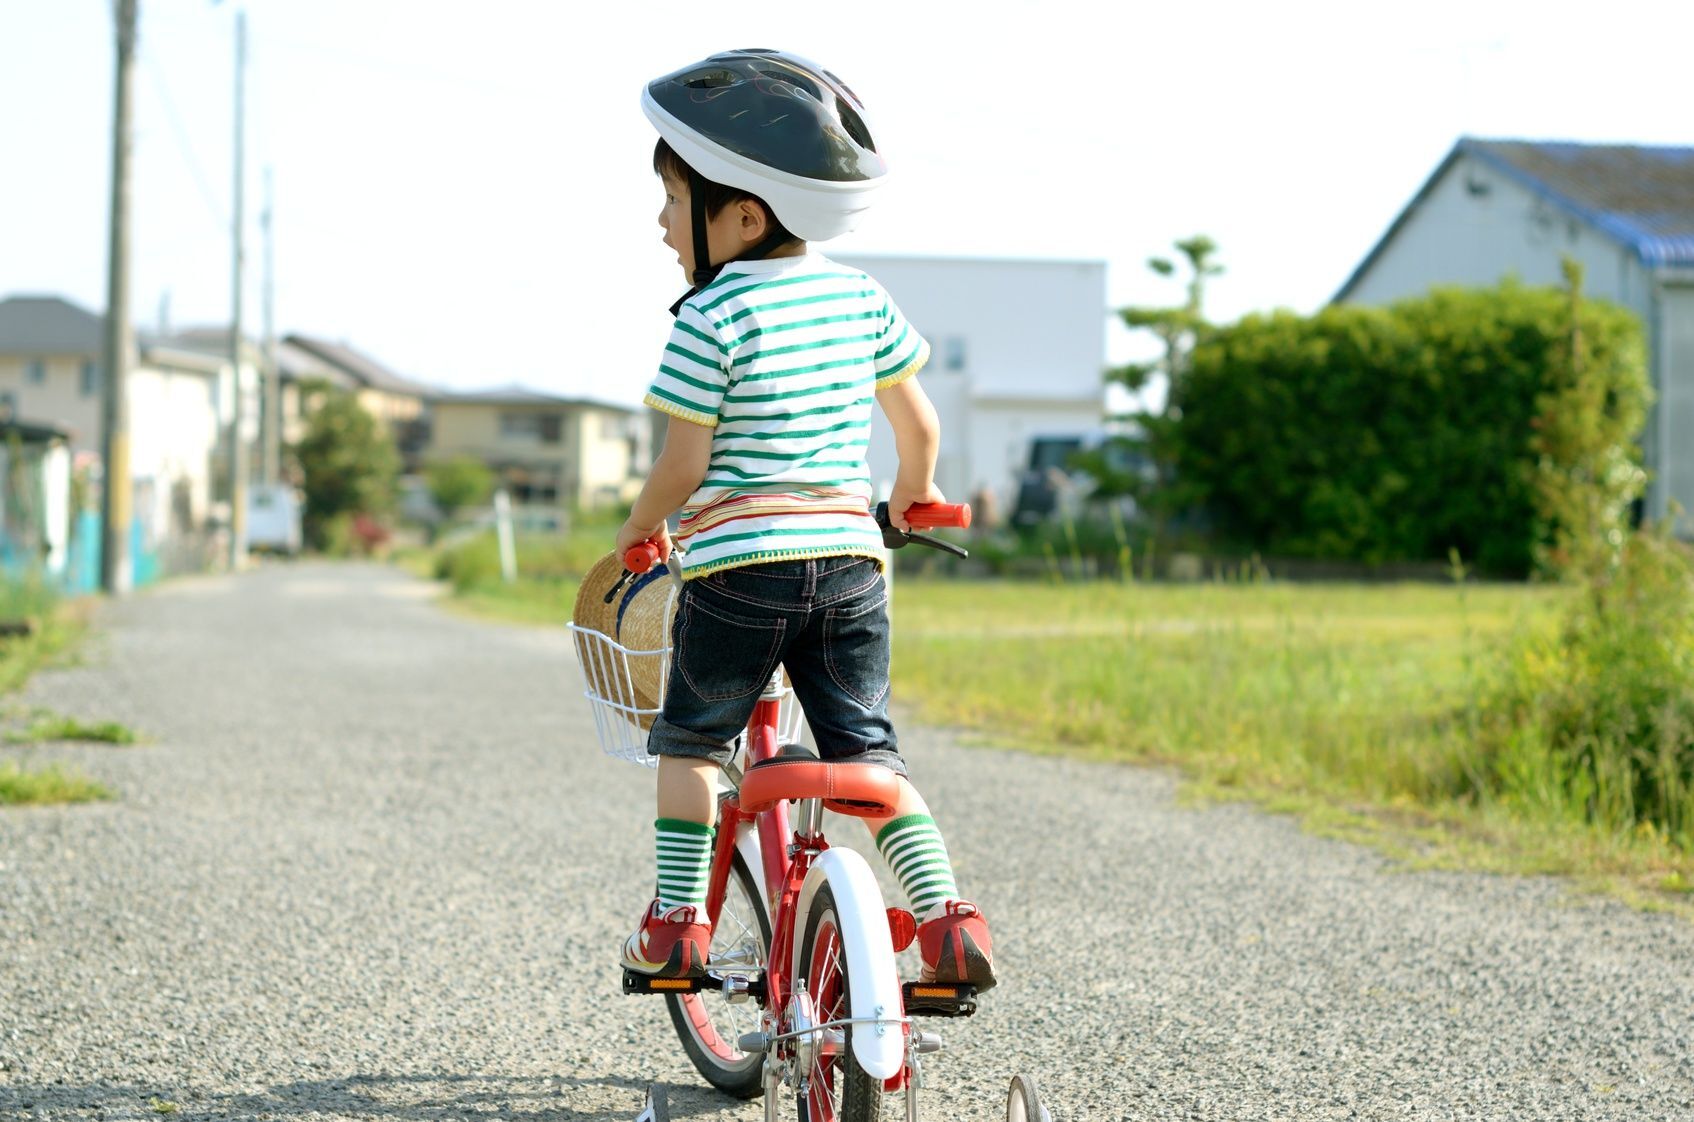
(902, 497)
(630, 535)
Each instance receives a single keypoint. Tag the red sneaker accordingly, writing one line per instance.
(670, 943)
(956, 948)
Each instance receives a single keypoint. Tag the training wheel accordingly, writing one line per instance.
(655, 1110)
(1023, 1102)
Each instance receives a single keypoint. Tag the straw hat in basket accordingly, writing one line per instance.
(637, 616)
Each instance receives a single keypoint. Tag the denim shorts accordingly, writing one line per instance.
(825, 619)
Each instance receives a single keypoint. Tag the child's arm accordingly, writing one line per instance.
(917, 440)
(676, 475)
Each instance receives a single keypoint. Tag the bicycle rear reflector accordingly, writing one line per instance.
(902, 928)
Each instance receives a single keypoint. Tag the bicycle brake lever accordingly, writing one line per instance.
(936, 543)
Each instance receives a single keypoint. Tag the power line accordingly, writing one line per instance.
(184, 145)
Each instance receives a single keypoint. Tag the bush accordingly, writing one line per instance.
(1403, 433)
(1600, 714)
(350, 465)
(460, 482)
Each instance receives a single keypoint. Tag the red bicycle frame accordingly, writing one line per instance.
(786, 857)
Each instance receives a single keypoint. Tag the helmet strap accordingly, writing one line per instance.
(704, 271)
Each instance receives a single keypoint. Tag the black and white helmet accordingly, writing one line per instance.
(776, 126)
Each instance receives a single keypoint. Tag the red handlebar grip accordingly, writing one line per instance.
(922, 516)
(640, 558)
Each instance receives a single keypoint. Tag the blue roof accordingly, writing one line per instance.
(1641, 197)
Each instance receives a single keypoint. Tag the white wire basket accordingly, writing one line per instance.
(623, 713)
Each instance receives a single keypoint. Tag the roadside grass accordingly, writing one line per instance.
(57, 726)
(57, 627)
(38, 787)
(548, 568)
(1354, 708)
(530, 601)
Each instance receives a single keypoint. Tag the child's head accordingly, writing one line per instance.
(736, 220)
(786, 138)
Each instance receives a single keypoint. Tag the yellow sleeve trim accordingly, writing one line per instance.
(671, 408)
(907, 371)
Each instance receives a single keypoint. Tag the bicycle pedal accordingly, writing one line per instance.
(938, 999)
(634, 982)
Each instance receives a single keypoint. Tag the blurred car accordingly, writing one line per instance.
(273, 520)
(1057, 480)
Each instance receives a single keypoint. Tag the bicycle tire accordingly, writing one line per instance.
(707, 1023)
(839, 1090)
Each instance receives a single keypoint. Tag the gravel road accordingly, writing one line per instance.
(372, 865)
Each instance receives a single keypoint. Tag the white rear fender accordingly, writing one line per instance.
(873, 981)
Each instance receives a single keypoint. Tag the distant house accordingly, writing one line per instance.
(1499, 207)
(179, 401)
(546, 449)
(35, 503)
(1018, 353)
(400, 404)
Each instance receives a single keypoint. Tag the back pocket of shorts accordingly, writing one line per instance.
(723, 655)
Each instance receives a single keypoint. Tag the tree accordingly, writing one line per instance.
(1177, 329)
(1586, 474)
(458, 483)
(349, 464)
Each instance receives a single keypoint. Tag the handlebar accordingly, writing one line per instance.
(643, 556)
(926, 516)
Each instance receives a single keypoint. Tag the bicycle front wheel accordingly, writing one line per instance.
(837, 1089)
(708, 1024)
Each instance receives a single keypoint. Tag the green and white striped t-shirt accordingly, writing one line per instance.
(782, 358)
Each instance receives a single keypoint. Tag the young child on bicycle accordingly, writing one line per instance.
(768, 380)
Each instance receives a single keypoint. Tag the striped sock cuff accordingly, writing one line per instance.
(917, 855)
(684, 858)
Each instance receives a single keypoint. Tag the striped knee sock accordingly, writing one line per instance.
(913, 848)
(685, 861)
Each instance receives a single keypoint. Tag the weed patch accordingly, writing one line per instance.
(24, 787)
(53, 726)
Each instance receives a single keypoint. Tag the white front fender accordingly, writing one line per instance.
(873, 980)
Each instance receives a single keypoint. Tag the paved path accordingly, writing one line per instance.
(372, 866)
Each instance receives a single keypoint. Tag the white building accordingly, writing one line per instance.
(1018, 351)
(179, 409)
(1497, 208)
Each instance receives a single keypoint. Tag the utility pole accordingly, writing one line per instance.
(270, 418)
(115, 570)
(237, 451)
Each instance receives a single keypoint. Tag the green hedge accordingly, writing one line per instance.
(1399, 433)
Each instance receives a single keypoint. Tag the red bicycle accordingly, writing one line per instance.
(802, 992)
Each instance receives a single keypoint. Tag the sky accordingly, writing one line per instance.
(465, 192)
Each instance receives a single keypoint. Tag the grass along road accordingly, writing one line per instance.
(1355, 707)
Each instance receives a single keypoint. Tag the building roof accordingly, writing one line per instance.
(49, 325)
(1641, 197)
(298, 365)
(514, 394)
(366, 370)
(212, 340)
(32, 432)
(52, 325)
